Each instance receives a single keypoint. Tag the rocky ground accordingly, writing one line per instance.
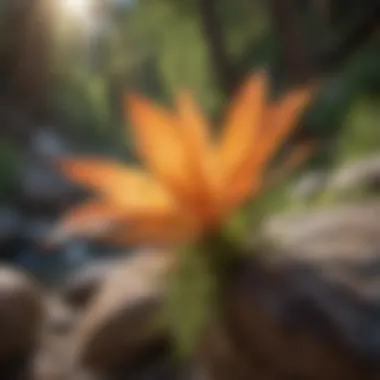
(306, 308)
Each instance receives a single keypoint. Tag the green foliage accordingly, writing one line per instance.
(83, 102)
(192, 299)
(361, 134)
(180, 53)
(196, 289)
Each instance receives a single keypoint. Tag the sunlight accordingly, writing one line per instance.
(80, 9)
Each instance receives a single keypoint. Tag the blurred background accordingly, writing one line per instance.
(65, 65)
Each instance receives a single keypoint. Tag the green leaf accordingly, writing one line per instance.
(192, 300)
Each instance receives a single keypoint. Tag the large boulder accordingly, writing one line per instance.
(118, 322)
(308, 307)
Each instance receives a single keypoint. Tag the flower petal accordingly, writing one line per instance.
(243, 123)
(195, 131)
(90, 219)
(101, 175)
(279, 121)
(160, 144)
(121, 184)
(282, 118)
(201, 152)
(99, 218)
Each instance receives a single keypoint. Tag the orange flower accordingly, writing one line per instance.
(192, 182)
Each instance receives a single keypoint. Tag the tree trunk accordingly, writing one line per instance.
(216, 43)
(31, 79)
(297, 59)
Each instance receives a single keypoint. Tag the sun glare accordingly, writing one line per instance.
(78, 8)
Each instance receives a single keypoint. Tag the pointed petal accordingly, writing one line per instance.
(286, 115)
(280, 119)
(195, 127)
(121, 184)
(102, 175)
(90, 219)
(246, 186)
(141, 202)
(196, 135)
(99, 218)
(159, 144)
(242, 124)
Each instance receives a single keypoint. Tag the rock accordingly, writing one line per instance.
(80, 287)
(60, 317)
(40, 182)
(44, 191)
(53, 360)
(37, 228)
(309, 306)
(309, 185)
(364, 173)
(346, 231)
(110, 339)
(48, 144)
(21, 312)
(11, 222)
(360, 175)
(118, 323)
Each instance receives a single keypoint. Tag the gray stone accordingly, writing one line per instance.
(11, 222)
(119, 320)
(362, 173)
(309, 185)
